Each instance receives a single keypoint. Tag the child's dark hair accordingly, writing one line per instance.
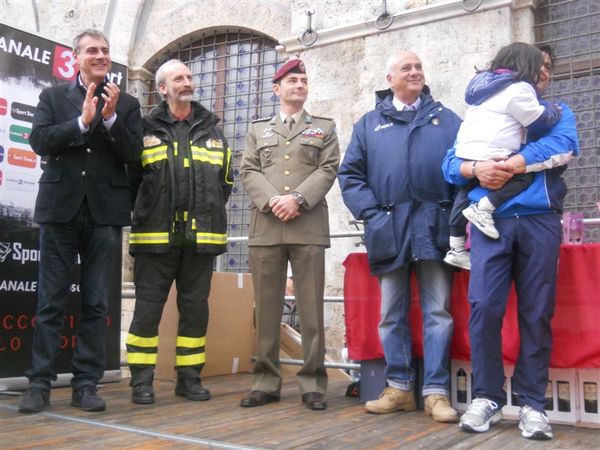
(523, 59)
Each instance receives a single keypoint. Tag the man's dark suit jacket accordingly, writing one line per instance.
(91, 165)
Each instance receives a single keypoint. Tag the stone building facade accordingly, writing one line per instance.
(345, 63)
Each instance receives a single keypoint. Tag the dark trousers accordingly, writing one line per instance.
(526, 253)
(59, 246)
(512, 188)
(154, 275)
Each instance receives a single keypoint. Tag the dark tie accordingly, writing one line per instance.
(290, 123)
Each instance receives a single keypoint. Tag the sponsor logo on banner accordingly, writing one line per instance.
(21, 111)
(1, 153)
(18, 253)
(22, 158)
(3, 106)
(19, 134)
(0, 178)
(18, 286)
(115, 77)
(64, 66)
(4, 250)
(24, 50)
(20, 182)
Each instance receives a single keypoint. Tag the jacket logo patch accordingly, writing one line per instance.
(214, 143)
(313, 132)
(151, 141)
(383, 127)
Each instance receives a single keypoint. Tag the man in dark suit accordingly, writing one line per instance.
(289, 164)
(87, 131)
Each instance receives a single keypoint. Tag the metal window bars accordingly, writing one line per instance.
(572, 28)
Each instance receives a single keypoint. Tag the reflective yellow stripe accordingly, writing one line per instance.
(190, 360)
(190, 342)
(149, 238)
(141, 358)
(228, 164)
(140, 341)
(153, 154)
(185, 216)
(211, 238)
(204, 155)
(186, 162)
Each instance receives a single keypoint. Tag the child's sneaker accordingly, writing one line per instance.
(461, 260)
(482, 219)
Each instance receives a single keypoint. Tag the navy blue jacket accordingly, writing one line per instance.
(391, 178)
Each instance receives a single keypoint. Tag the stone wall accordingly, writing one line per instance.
(345, 65)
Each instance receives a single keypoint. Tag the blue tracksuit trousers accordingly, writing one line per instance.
(526, 253)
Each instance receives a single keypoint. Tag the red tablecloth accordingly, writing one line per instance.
(575, 327)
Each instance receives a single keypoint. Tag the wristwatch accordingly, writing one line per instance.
(298, 197)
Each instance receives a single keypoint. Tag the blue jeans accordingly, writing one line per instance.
(435, 282)
(60, 243)
(527, 252)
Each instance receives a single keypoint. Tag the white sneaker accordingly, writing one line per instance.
(482, 219)
(461, 260)
(534, 424)
(480, 415)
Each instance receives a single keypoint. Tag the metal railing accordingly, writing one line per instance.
(128, 291)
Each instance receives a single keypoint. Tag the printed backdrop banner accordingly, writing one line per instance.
(28, 64)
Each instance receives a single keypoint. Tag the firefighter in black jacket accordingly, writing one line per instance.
(178, 227)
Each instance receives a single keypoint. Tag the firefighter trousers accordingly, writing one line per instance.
(153, 275)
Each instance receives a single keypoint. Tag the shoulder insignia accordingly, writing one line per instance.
(323, 118)
(151, 141)
(262, 119)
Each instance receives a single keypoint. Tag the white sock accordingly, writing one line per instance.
(484, 204)
(457, 243)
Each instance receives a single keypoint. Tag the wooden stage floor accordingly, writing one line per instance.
(176, 423)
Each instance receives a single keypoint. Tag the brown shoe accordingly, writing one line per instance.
(392, 400)
(438, 406)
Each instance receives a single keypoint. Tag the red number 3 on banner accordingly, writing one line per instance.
(64, 66)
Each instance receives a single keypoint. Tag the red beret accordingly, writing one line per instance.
(292, 66)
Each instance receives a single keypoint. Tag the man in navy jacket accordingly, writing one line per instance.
(391, 179)
(526, 253)
(88, 132)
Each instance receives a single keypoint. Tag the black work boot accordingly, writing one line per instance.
(142, 394)
(87, 399)
(192, 389)
(34, 400)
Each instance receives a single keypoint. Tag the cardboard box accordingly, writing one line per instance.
(461, 378)
(372, 379)
(565, 396)
(511, 409)
(589, 397)
(291, 347)
(230, 335)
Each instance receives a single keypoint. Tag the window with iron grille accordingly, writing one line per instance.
(572, 28)
(232, 73)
